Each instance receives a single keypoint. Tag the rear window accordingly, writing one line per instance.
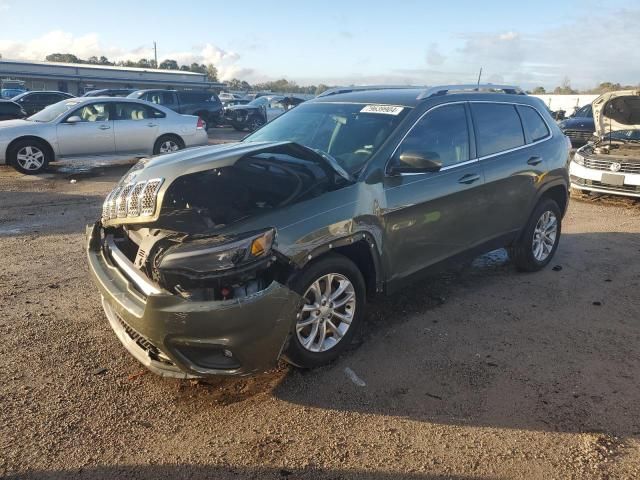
(533, 124)
(497, 127)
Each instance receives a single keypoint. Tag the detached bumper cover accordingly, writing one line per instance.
(163, 330)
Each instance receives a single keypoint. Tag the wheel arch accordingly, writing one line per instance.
(13, 142)
(361, 248)
(559, 193)
(169, 134)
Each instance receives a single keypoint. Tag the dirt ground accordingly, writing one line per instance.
(482, 373)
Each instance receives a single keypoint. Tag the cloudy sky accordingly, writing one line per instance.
(345, 42)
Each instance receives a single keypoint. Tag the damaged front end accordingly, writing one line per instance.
(193, 240)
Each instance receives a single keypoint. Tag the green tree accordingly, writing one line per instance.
(538, 91)
(212, 73)
(169, 65)
(565, 88)
(63, 58)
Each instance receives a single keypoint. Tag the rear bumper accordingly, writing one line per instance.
(590, 179)
(196, 140)
(182, 338)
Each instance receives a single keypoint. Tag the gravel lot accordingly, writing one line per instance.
(482, 373)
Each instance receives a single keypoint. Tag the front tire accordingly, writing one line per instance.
(539, 241)
(167, 144)
(30, 156)
(330, 312)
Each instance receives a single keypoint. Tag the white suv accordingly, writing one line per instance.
(611, 164)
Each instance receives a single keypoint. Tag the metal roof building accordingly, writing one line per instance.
(80, 78)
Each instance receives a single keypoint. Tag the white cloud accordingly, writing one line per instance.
(4, 6)
(434, 57)
(85, 46)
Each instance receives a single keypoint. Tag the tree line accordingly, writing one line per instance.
(210, 70)
(287, 86)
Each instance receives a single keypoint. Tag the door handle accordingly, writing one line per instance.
(152, 125)
(104, 127)
(534, 161)
(469, 178)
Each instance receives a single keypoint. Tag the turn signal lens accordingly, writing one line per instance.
(262, 244)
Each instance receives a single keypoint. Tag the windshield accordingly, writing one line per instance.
(257, 102)
(350, 133)
(52, 112)
(624, 135)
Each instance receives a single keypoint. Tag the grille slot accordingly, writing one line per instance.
(605, 165)
(133, 200)
(582, 136)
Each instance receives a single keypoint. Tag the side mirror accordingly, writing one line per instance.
(73, 119)
(417, 162)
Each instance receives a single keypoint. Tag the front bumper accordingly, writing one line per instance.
(590, 179)
(177, 337)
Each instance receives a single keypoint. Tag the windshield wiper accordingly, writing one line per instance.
(334, 164)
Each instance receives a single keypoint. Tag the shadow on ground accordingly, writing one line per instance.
(195, 472)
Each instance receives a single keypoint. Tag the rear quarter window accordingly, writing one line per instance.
(533, 124)
(498, 127)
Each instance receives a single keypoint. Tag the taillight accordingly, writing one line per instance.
(201, 124)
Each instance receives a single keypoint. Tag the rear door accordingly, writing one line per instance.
(432, 216)
(135, 127)
(511, 160)
(93, 135)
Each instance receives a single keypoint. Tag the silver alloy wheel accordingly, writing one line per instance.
(326, 315)
(30, 158)
(544, 236)
(169, 146)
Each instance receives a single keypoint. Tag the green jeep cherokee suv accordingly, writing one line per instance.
(221, 259)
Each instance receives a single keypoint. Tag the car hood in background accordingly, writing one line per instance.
(614, 111)
(578, 123)
(15, 123)
(246, 106)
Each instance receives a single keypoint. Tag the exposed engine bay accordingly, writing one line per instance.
(186, 251)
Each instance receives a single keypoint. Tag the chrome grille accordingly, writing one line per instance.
(578, 136)
(121, 201)
(148, 202)
(600, 164)
(132, 200)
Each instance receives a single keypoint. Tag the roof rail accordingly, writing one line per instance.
(482, 87)
(362, 88)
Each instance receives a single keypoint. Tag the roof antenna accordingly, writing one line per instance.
(610, 105)
(479, 76)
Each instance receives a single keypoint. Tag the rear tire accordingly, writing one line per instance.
(30, 156)
(539, 241)
(167, 144)
(330, 311)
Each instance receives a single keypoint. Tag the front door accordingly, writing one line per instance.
(135, 128)
(92, 135)
(430, 217)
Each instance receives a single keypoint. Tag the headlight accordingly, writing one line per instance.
(579, 159)
(202, 257)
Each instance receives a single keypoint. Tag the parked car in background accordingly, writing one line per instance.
(227, 96)
(580, 126)
(259, 111)
(234, 255)
(205, 105)
(9, 93)
(611, 163)
(11, 110)
(33, 102)
(105, 128)
(109, 92)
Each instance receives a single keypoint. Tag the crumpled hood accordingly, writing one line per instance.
(614, 111)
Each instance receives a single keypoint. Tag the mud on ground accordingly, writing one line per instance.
(481, 373)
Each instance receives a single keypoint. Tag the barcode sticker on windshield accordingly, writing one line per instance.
(385, 109)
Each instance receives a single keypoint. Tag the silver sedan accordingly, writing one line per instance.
(104, 128)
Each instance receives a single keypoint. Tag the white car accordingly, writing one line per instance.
(96, 127)
(611, 164)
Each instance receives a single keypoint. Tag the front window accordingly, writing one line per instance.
(442, 134)
(258, 102)
(350, 133)
(54, 111)
(94, 112)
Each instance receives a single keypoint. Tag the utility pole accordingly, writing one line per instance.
(479, 76)
(155, 53)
